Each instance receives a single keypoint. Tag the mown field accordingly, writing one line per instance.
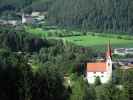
(36, 31)
(99, 42)
(94, 40)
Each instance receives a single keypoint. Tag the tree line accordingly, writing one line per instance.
(18, 80)
(24, 6)
(93, 15)
(21, 51)
(87, 15)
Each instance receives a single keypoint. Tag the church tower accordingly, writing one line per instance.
(108, 59)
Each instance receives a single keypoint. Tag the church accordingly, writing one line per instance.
(102, 69)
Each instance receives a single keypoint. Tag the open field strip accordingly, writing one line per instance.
(98, 41)
(94, 40)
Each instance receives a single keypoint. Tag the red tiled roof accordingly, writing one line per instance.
(96, 67)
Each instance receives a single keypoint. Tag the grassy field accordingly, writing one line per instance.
(99, 42)
(94, 40)
(37, 31)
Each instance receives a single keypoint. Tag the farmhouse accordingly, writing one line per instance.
(102, 69)
(34, 14)
(10, 22)
(125, 63)
(26, 19)
(35, 17)
(123, 51)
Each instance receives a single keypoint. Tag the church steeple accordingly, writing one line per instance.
(109, 51)
(108, 58)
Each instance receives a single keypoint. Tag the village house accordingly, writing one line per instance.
(126, 63)
(35, 14)
(10, 22)
(102, 69)
(34, 17)
(123, 51)
(26, 19)
(39, 16)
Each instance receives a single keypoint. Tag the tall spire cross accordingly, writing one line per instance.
(109, 50)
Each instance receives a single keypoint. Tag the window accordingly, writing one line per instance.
(108, 64)
(102, 76)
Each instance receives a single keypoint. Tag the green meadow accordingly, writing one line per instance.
(95, 40)
(99, 42)
(36, 31)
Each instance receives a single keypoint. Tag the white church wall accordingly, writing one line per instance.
(104, 77)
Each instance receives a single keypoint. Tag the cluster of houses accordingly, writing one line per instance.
(33, 18)
(124, 64)
(123, 51)
(103, 68)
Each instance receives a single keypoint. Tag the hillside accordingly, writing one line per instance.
(25, 5)
(94, 15)
(87, 15)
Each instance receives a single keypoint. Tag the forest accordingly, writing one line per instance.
(32, 68)
(94, 15)
(88, 15)
(24, 5)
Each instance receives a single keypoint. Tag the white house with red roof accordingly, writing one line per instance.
(26, 19)
(102, 69)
